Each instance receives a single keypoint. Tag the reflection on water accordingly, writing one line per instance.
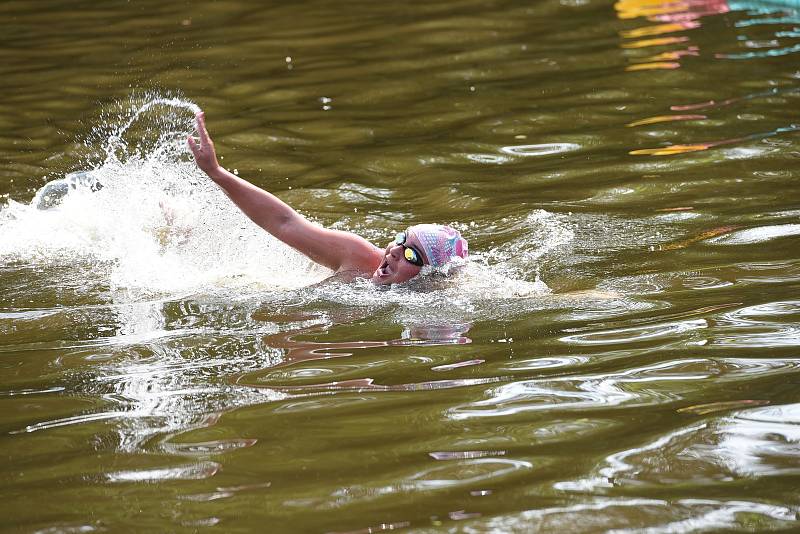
(671, 18)
(714, 452)
(619, 356)
(666, 44)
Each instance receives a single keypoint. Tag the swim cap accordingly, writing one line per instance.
(440, 243)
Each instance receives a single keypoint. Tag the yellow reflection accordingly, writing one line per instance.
(665, 118)
(661, 41)
(674, 55)
(658, 29)
(665, 17)
(667, 22)
(669, 150)
(708, 234)
(660, 65)
(629, 9)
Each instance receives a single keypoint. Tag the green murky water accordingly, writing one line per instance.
(621, 354)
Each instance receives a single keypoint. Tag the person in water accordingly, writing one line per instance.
(343, 252)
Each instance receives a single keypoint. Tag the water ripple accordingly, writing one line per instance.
(648, 385)
(750, 443)
(636, 334)
(198, 471)
(762, 234)
(630, 514)
(545, 149)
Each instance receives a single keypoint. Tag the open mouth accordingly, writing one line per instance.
(384, 270)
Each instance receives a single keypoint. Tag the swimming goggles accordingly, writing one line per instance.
(409, 253)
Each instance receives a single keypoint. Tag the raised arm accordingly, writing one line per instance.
(337, 250)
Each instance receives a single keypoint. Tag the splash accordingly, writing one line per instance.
(147, 217)
(499, 281)
(150, 223)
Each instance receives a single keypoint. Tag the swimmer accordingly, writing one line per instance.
(347, 254)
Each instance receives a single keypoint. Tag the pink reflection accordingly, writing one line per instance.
(672, 17)
(693, 10)
(683, 11)
(707, 104)
(666, 118)
(299, 350)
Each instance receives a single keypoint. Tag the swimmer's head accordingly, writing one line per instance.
(435, 245)
(440, 244)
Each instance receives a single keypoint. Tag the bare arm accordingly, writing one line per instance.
(337, 250)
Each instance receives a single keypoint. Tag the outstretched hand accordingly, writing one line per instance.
(335, 249)
(204, 153)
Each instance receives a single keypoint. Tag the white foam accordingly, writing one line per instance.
(151, 222)
(150, 218)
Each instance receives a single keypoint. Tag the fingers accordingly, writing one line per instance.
(201, 129)
(193, 145)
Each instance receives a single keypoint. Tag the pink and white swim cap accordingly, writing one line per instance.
(440, 243)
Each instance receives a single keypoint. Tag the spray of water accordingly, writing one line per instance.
(151, 222)
(148, 218)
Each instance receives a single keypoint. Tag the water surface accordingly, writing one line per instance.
(620, 355)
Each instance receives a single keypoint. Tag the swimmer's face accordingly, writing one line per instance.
(395, 268)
